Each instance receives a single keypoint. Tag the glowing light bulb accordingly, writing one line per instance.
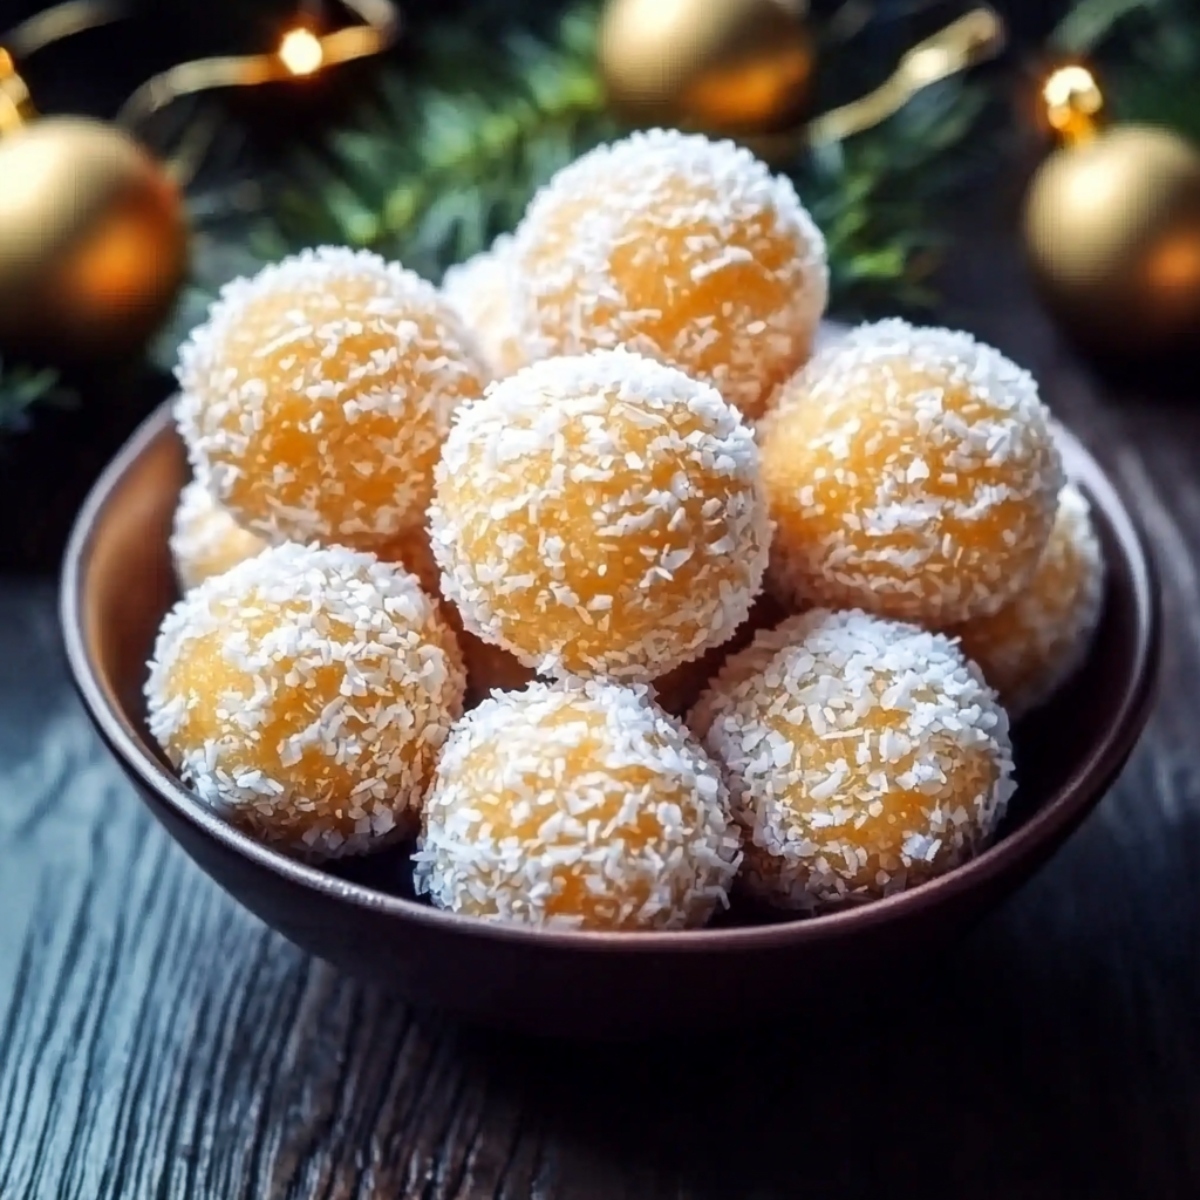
(301, 52)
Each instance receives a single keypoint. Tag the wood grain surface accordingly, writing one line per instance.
(158, 1043)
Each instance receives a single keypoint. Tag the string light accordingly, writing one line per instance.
(300, 53)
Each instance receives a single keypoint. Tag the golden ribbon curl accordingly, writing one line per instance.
(965, 43)
(62, 21)
(969, 41)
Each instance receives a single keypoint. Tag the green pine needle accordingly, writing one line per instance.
(456, 146)
(450, 155)
(22, 387)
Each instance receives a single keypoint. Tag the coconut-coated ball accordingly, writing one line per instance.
(488, 667)
(912, 472)
(681, 248)
(480, 292)
(577, 804)
(316, 395)
(305, 695)
(600, 515)
(748, 660)
(865, 756)
(205, 540)
(1037, 641)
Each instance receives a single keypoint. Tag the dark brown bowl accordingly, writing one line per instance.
(117, 584)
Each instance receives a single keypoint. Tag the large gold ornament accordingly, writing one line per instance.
(720, 66)
(93, 241)
(1112, 226)
(93, 233)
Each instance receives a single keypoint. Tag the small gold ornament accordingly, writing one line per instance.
(1112, 227)
(719, 66)
(93, 241)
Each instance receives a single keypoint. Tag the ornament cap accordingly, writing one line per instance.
(1074, 103)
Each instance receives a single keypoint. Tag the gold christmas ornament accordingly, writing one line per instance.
(717, 66)
(93, 241)
(93, 233)
(1112, 227)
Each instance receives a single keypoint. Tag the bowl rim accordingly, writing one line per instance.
(1080, 791)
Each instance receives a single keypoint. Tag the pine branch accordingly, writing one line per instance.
(21, 388)
(452, 153)
(878, 199)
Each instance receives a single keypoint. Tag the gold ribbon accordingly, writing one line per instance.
(961, 45)
(62, 21)
(972, 39)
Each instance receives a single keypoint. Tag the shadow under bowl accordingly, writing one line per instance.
(361, 916)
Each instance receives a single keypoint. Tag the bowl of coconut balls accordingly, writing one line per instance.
(602, 642)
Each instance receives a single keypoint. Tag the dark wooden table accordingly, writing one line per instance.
(157, 1042)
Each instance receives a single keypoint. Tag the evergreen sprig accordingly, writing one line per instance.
(451, 151)
(456, 143)
(877, 197)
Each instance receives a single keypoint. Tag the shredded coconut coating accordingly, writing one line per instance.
(865, 757)
(1038, 640)
(480, 292)
(205, 540)
(749, 661)
(489, 668)
(601, 515)
(577, 804)
(912, 472)
(680, 248)
(317, 394)
(305, 695)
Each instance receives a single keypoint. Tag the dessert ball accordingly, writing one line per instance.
(317, 394)
(912, 472)
(1035, 643)
(488, 667)
(305, 694)
(577, 804)
(683, 249)
(750, 659)
(600, 515)
(864, 757)
(480, 293)
(205, 540)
